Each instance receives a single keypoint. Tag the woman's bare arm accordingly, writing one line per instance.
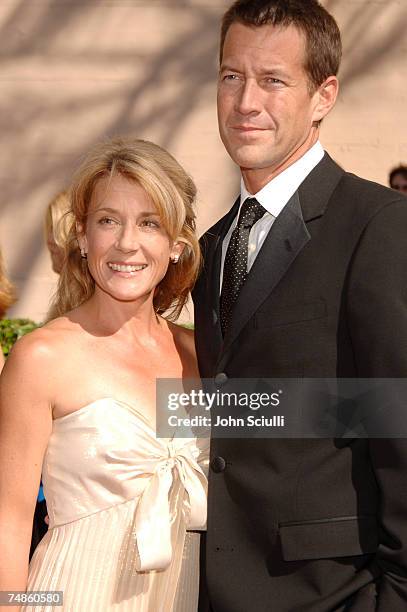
(25, 427)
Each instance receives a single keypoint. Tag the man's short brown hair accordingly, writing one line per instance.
(402, 169)
(323, 47)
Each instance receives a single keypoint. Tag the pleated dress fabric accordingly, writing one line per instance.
(120, 505)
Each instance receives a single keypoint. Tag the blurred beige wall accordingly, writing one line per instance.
(74, 72)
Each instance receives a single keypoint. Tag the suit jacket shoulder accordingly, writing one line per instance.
(365, 197)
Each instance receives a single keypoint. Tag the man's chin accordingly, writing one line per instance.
(248, 159)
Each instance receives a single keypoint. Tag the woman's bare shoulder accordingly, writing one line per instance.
(183, 335)
(39, 361)
(45, 343)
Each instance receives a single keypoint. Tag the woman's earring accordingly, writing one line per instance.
(84, 255)
(175, 259)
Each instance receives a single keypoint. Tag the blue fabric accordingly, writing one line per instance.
(41, 494)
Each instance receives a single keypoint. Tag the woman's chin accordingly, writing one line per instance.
(127, 295)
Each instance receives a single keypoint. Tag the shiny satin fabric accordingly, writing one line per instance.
(120, 502)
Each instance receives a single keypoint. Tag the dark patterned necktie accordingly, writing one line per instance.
(235, 267)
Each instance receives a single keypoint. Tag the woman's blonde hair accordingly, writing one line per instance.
(58, 219)
(173, 193)
(7, 293)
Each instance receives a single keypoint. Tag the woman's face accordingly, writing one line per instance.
(127, 247)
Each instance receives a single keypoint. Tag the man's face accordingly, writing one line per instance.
(265, 108)
(399, 182)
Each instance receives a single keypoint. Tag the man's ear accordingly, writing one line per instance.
(176, 251)
(82, 241)
(326, 94)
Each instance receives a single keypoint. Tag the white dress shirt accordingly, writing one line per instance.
(273, 197)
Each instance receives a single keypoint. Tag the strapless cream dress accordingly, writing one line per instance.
(120, 503)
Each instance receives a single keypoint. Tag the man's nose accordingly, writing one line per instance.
(248, 100)
(128, 238)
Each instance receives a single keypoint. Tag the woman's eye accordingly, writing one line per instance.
(150, 223)
(106, 221)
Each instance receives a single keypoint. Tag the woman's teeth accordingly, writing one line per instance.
(120, 268)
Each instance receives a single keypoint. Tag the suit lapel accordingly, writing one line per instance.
(287, 236)
(211, 244)
(316, 191)
(214, 259)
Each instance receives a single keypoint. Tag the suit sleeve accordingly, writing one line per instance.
(377, 315)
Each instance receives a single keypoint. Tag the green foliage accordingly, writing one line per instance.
(11, 330)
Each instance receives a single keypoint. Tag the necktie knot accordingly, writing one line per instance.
(250, 213)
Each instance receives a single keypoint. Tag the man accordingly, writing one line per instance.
(398, 179)
(307, 280)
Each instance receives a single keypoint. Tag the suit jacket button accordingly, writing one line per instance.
(221, 379)
(218, 464)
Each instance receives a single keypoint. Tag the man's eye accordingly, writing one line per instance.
(273, 81)
(230, 77)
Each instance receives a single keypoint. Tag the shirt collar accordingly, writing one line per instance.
(275, 195)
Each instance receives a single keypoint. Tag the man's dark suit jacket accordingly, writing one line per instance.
(311, 525)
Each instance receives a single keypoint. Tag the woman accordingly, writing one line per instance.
(7, 298)
(78, 398)
(56, 227)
